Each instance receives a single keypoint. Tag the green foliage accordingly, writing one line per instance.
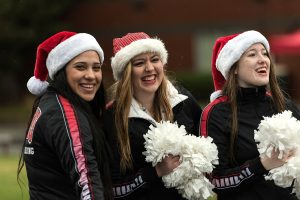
(200, 85)
(24, 23)
(10, 190)
(16, 113)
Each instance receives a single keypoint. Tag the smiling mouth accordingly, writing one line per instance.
(262, 70)
(149, 78)
(87, 86)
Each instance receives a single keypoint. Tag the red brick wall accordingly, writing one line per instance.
(177, 21)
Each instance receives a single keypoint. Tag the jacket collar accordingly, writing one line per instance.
(252, 94)
(137, 112)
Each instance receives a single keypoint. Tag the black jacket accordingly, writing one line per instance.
(58, 154)
(143, 183)
(245, 179)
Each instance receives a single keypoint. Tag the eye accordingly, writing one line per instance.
(80, 67)
(155, 59)
(265, 53)
(137, 63)
(251, 54)
(97, 67)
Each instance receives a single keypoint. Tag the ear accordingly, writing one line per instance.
(236, 71)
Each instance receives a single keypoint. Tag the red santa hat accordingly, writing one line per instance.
(131, 45)
(228, 50)
(55, 52)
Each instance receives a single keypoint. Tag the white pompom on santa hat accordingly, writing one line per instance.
(55, 52)
(228, 50)
(131, 45)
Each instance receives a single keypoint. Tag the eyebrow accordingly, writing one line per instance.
(254, 49)
(153, 55)
(84, 62)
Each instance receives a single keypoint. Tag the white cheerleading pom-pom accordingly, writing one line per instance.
(281, 132)
(197, 156)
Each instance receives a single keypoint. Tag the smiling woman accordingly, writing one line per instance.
(144, 96)
(84, 74)
(147, 76)
(64, 149)
(246, 91)
(254, 67)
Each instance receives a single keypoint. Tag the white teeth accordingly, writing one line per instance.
(149, 78)
(261, 70)
(87, 86)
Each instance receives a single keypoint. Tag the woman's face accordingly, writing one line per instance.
(147, 73)
(253, 68)
(84, 74)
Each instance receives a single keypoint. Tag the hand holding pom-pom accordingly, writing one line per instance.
(192, 156)
(167, 165)
(279, 147)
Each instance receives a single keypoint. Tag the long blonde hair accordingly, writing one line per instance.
(123, 94)
(231, 88)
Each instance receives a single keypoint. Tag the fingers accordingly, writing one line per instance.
(290, 153)
(275, 153)
(167, 165)
(277, 158)
(283, 156)
(173, 161)
(175, 158)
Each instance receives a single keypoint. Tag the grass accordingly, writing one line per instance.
(213, 197)
(10, 190)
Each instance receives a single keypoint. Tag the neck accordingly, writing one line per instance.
(145, 101)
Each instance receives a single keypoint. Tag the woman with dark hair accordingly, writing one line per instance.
(144, 96)
(246, 91)
(65, 150)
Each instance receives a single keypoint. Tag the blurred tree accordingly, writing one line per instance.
(24, 24)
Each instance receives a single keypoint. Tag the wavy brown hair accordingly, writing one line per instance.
(231, 88)
(123, 94)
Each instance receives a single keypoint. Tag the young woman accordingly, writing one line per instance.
(65, 152)
(246, 91)
(144, 96)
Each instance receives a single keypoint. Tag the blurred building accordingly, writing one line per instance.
(188, 27)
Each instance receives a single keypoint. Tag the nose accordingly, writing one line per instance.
(89, 73)
(263, 58)
(149, 66)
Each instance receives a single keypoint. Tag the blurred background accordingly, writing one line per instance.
(187, 27)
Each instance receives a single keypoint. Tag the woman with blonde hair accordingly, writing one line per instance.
(144, 96)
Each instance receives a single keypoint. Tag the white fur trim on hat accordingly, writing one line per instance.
(215, 95)
(234, 48)
(36, 86)
(124, 55)
(70, 48)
